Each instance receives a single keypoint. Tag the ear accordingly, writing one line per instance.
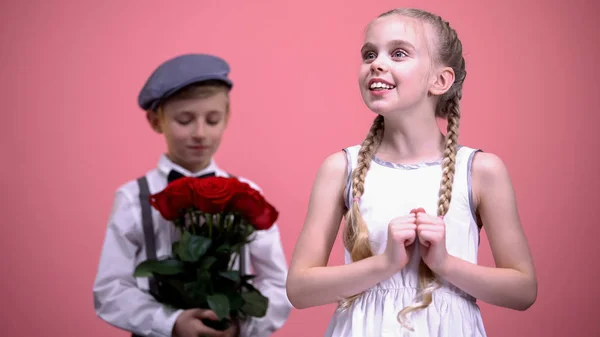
(227, 114)
(442, 82)
(154, 121)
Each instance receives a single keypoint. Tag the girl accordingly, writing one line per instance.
(414, 202)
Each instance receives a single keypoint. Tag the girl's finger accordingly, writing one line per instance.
(430, 237)
(428, 219)
(417, 210)
(430, 227)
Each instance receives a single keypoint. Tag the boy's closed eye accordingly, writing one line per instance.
(214, 118)
(211, 118)
(184, 118)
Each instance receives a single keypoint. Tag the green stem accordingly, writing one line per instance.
(218, 219)
(189, 216)
(228, 222)
(209, 223)
(198, 220)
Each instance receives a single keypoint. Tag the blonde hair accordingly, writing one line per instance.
(448, 51)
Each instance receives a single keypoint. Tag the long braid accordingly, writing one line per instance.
(449, 162)
(356, 235)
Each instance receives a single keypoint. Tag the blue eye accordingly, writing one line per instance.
(399, 53)
(369, 55)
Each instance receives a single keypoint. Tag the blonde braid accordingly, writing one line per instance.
(449, 162)
(356, 233)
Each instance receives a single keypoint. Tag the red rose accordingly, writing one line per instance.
(174, 198)
(211, 195)
(253, 206)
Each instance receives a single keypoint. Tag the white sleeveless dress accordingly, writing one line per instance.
(392, 190)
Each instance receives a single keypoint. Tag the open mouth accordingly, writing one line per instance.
(380, 86)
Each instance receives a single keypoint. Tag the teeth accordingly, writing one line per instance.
(380, 85)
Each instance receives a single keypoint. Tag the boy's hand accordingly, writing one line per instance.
(234, 329)
(189, 324)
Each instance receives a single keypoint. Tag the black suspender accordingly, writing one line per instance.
(148, 227)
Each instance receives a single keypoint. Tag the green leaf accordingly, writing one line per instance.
(233, 275)
(182, 251)
(191, 247)
(236, 301)
(198, 246)
(203, 282)
(172, 293)
(207, 262)
(219, 304)
(255, 304)
(163, 267)
(202, 275)
(196, 290)
(224, 248)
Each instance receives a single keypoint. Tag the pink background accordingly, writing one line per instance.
(73, 133)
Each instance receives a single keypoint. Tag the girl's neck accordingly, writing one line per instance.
(411, 138)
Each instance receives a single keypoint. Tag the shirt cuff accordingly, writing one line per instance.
(164, 321)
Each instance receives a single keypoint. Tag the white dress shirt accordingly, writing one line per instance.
(123, 300)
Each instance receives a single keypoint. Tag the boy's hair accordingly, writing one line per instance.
(202, 89)
(448, 51)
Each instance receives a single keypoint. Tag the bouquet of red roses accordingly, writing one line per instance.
(216, 217)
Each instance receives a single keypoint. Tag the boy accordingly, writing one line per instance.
(187, 100)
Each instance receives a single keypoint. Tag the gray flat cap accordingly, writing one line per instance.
(178, 72)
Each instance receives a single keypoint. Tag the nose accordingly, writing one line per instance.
(200, 130)
(379, 65)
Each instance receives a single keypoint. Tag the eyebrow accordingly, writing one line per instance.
(395, 43)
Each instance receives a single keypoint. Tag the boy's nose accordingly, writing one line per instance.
(200, 130)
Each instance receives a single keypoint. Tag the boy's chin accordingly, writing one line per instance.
(197, 163)
(193, 163)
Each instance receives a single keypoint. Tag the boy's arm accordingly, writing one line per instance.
(270, 268)
(117, 299)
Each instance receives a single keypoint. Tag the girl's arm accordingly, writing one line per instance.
(512, 284)
(310, 282)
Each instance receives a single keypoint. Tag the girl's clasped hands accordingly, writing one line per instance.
(428, 230)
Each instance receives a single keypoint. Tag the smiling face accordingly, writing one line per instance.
(193, 124)
(395, 74)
